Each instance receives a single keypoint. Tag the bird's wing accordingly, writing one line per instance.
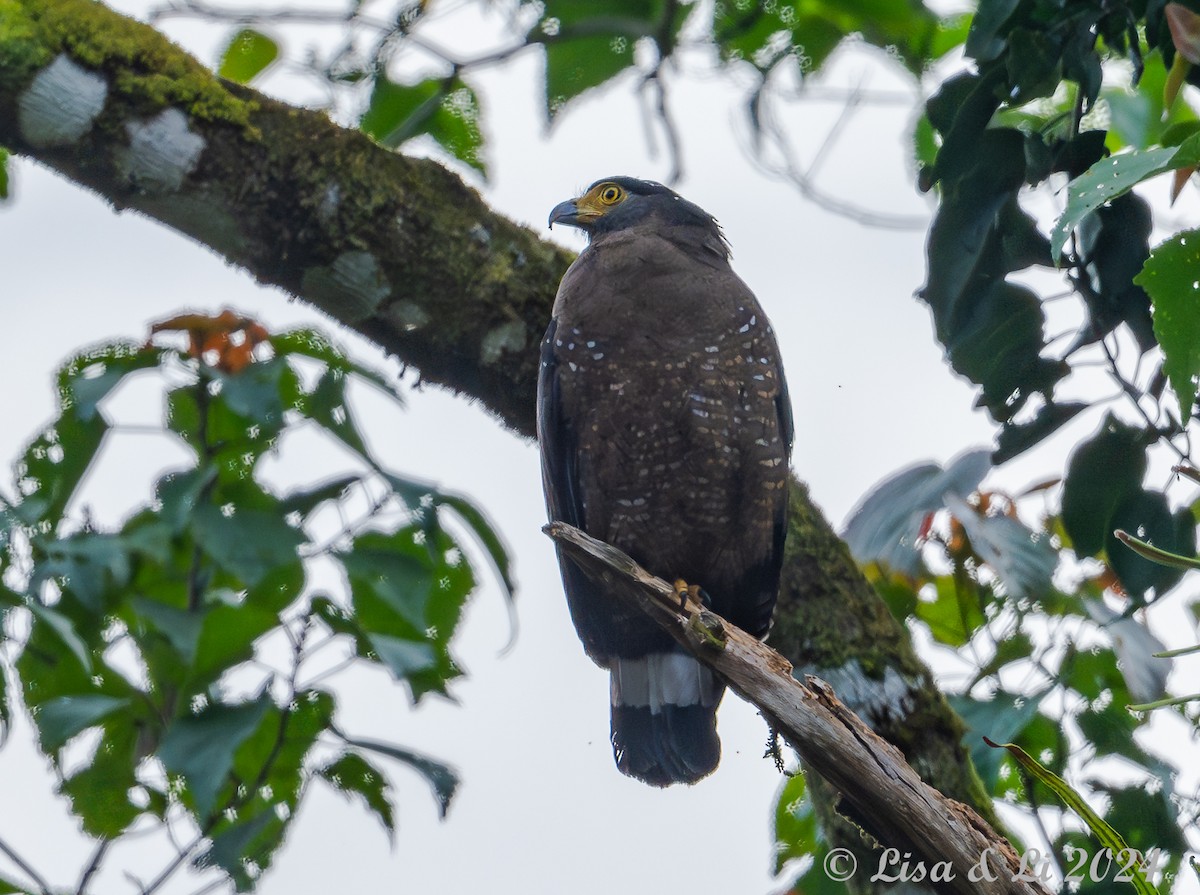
(559, 448)
(564, 497)
(761, 581)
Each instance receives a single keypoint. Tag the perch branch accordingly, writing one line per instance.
(883, 793)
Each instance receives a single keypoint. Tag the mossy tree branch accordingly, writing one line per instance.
(402, 251)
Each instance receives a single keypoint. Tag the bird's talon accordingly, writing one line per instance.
(681, 591)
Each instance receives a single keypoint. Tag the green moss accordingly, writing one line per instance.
(21, 54)
(145, 68)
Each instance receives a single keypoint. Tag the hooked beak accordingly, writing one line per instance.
(565, 213)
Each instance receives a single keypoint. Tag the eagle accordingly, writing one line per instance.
(665, 430)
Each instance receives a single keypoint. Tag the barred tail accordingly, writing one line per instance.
(664, 718)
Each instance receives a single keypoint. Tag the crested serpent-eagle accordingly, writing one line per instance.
(665, 430)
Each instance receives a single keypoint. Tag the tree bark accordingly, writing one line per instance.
(402, 251)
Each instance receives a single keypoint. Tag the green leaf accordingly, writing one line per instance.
(314, 344)
(1000, 347)
(64, 631)
(589, 43)
(1093, 673)
(985, 41)
(443, 780)
(576, 65)
(400, 580)
(61, 718)
(305, 500)
(1112, 177)
(248, 53)
(99, 792)
(226, 638)
(1146, 819)
(89, 378)
(1170, 277)
(352, 775)
(272, 759)
(445, 109)
(796, 831)
(403, 658)
(246, 543)
(1100, 828)
(487, 535)
(7, 886)
(200, 748)
(257, 393)
(1100, 474)
(1016, 439)
(954, 615)
(328, 407)
(1034, 63)
(230, 848)
(4, 156)
(180, 627)
(54, 465)
(1110, 731)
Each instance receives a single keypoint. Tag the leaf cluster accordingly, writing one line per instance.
(585, 45)
(173, 666)
(1048, 667)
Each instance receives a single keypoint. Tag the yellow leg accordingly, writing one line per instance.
(683, 590)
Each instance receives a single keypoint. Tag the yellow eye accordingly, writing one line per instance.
(611, 194)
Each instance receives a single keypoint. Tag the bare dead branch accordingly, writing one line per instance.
(872, 776)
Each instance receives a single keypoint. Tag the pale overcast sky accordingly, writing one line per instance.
(541, 808)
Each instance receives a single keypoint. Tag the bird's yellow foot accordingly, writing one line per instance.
(683, 590)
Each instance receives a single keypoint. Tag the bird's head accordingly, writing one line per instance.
(615, 203)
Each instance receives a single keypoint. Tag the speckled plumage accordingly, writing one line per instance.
(665, 431)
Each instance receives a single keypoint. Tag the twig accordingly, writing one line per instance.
(870, 773)
(788, 169)
(93, 865)
(23, 866)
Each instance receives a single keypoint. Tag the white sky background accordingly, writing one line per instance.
(541, 807)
